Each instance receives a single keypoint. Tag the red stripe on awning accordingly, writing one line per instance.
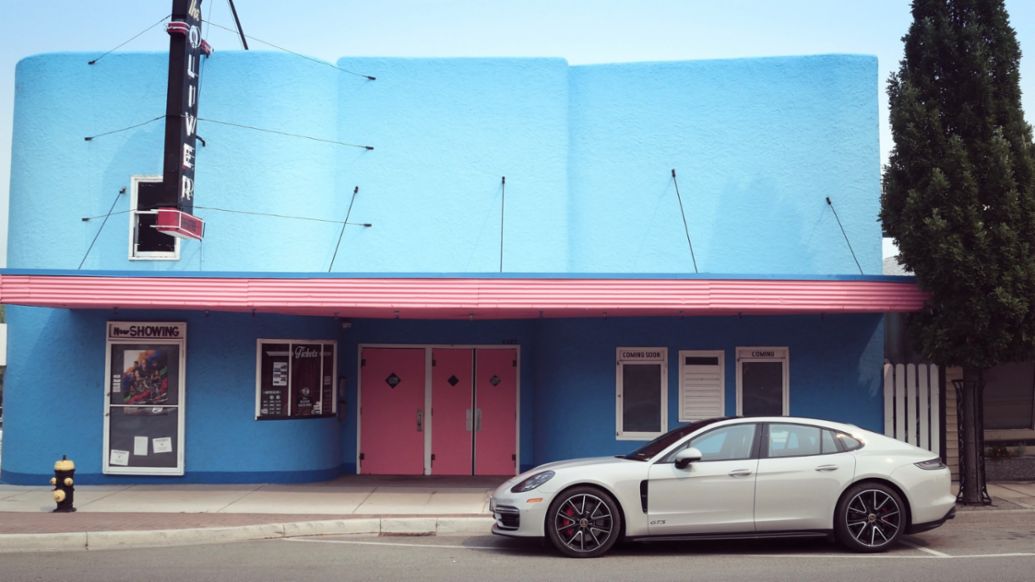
(434, 298)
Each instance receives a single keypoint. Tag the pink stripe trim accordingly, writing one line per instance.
(465, 298)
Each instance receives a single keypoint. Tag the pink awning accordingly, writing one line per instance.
(465, 297)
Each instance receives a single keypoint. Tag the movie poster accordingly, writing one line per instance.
(145, 376)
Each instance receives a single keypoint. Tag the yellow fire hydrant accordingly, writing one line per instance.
(64, 484)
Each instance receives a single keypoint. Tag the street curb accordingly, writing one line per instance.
(107, 540)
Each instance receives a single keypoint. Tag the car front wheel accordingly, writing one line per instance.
(583, 522)
(870, 517)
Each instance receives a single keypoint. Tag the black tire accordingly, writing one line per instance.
(583, 522)
(870, 517)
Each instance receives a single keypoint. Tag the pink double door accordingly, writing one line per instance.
(470, 427)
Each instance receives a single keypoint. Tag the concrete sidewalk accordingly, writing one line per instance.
(112, 516)
(1011, 495)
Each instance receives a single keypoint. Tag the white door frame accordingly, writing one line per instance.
(640, 355)
(427, 394)
(181, 407)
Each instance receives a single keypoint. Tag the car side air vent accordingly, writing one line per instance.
(643, 495)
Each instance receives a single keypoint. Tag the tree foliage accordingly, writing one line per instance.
(959, 188)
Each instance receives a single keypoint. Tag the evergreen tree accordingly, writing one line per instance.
(959, 198)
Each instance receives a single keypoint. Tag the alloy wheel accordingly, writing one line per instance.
(583, 522)
(873, 518)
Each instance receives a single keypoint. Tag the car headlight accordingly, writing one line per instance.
(532, 482)
(931, 465)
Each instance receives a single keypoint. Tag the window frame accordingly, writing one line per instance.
(291, 343)
(721, 355)
(783, 355)
(134, 223)
(662, 362)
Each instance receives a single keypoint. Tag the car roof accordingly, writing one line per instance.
(790, 419)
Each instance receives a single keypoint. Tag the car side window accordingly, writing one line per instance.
(829, 443)
(847, 442)
(728, 443)
(792, 440)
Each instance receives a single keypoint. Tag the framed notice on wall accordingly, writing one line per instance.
(295, 379)
(144, 398)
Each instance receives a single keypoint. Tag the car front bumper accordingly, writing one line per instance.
(519, 514)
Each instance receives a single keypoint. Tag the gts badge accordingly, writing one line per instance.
(657, 522)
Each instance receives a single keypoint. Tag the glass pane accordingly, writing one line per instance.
(762, 388)
(149, 239)
(145, 374)
(273, 379)
(140, 436)
(793, 440)
(849, 443)
(726, 444)
(641, 398)
(1009, 390)
(829, 444)
(306, 379)
(327, 398)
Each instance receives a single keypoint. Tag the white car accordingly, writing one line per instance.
(733, 478)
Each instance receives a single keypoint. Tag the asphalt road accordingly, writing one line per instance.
(979, 546)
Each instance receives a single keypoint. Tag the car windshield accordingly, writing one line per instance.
(647, 451)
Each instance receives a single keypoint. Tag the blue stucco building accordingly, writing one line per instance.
(477, 326)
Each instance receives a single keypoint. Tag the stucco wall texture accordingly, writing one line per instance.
(587, 152)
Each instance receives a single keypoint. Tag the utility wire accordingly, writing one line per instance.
(272, 215)
(269, 214)
(503, 206)
(242, 126)
(343, 225)
(90, 248)
(94, 61)
(682, 214)
(845, 234)
(232, 124)
(306, 57)
(89, 218)
(92, 137)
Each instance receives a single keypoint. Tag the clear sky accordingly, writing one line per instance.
(582, 31)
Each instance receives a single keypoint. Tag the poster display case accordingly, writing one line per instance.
(144, 398)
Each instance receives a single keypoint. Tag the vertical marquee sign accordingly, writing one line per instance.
(186, 47)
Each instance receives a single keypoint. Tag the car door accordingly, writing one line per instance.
(801, 473)
(715, 494)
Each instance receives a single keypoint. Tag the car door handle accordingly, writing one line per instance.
(826, 468)
(740, 472)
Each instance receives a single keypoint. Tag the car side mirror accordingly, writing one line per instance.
(687, 456)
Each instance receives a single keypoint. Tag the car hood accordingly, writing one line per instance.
(578, 463)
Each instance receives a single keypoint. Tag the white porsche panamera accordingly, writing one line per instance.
(733, 478)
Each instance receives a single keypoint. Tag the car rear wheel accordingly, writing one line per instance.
(870, 518)
(583, 522)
